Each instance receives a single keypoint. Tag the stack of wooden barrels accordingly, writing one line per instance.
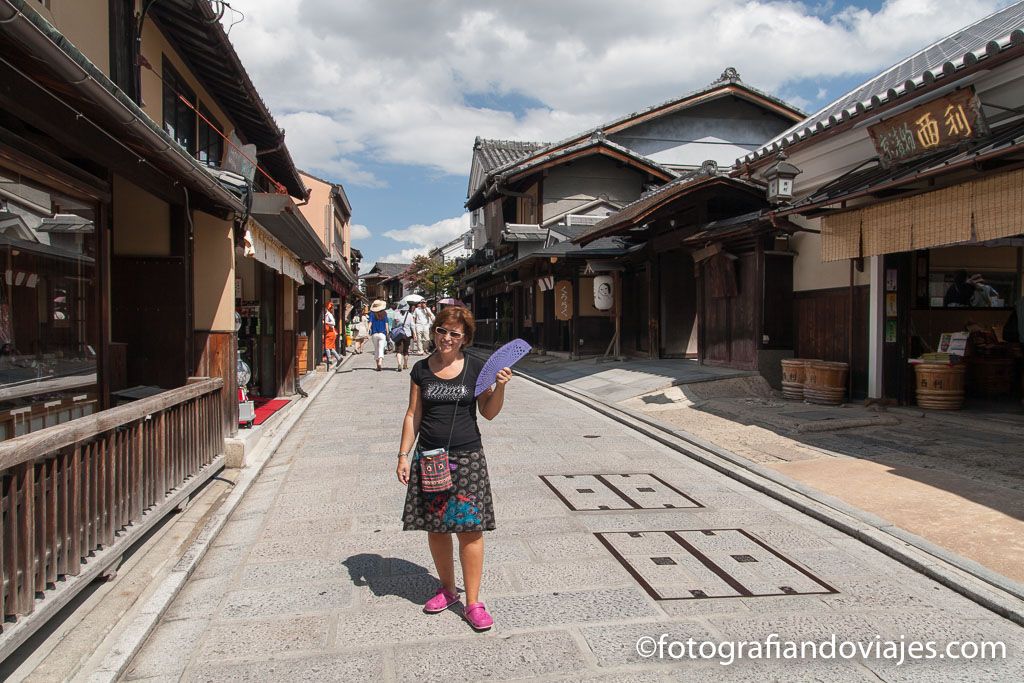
(814, 381)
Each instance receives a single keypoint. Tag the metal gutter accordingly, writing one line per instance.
(24, 26)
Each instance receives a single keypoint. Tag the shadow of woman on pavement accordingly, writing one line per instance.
(391, 577)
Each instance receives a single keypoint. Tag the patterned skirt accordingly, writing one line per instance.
(467, 507)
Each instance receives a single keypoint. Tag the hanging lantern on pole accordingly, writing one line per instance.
(604, 296)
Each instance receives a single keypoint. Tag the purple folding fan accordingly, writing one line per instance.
(505, 357)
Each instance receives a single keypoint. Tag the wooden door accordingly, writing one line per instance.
(149, 313)
(678, 307)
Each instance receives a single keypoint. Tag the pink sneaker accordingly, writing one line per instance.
(440, 602)
(478, 618)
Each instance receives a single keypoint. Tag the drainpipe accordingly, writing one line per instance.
(23, 25)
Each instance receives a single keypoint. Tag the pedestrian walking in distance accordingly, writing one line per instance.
(379, 329)
(423, 319)
(360, 328)
(330, 335)
(401, 334)
(442, 415)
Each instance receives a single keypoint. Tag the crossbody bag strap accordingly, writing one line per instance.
(462, 379)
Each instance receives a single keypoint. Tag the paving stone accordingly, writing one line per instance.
(169, 641)
(313, 546)
(240, 531)
(285, 600)
(399, 624)
(565, 576)
(296, 571)
(519, 656)
(555, 547)
(199, 598)
(571, 607)
(220, 561)
(360, 666)
(257, 639)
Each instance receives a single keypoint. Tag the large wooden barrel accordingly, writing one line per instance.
(989, 377)
(825, 382)
(793, 374)
(301, 355)
(940, 386)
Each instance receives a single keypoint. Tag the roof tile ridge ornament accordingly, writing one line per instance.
(598, 136)
(709, 167)
(730, 75)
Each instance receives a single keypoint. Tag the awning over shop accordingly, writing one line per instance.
(973, 211)
(262, 246)
(315, 274)
(282, 219)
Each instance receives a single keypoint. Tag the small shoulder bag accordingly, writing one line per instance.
(435, 469)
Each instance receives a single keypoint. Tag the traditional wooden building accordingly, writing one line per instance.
(658, 170)
(132, 164)
(383, 281)
(906, 184)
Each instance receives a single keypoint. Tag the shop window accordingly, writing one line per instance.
(179, 117)
(48, 306)
(211, 140)
(982, 290)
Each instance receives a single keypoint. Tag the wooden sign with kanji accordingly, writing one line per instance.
(932, 126)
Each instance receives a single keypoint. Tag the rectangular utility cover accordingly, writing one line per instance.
(709, 563)
(593, 492)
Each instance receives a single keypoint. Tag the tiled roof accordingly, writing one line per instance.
(729, 81)
(652, 199)
(940, 63)
(597, 140)
(495, 153)
(389, 269)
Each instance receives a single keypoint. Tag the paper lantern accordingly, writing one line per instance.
(604, 297)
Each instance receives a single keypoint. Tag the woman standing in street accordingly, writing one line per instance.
(442, 413)
(379, 329)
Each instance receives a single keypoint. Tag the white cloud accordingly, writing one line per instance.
(425, 237)
(359, 232)
(404, 256)
(389, 80)
(433, 235)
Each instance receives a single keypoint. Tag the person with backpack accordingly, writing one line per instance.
(401, 334)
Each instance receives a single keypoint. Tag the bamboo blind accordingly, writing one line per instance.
(942, 217)
(933, 219)
(840, 236)
(887, 228)
(999, 205)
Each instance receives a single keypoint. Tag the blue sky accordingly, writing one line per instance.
(386, 96)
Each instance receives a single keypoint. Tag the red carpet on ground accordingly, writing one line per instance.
(265, 407)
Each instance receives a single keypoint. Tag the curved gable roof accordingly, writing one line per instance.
(729, 83)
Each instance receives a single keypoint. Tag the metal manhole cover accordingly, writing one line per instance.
(692, 564)
(638, 491)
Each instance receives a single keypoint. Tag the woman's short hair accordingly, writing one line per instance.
(456, 314)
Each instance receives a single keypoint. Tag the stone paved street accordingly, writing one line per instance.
(312, 579)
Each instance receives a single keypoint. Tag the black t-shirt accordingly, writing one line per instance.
(439, 397)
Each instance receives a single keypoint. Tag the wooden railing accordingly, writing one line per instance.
(76, 494)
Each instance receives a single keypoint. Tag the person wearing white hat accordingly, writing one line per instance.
(379, 329)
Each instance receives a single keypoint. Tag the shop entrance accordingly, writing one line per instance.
(973, 290)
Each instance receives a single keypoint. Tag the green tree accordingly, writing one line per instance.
(420, 274)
